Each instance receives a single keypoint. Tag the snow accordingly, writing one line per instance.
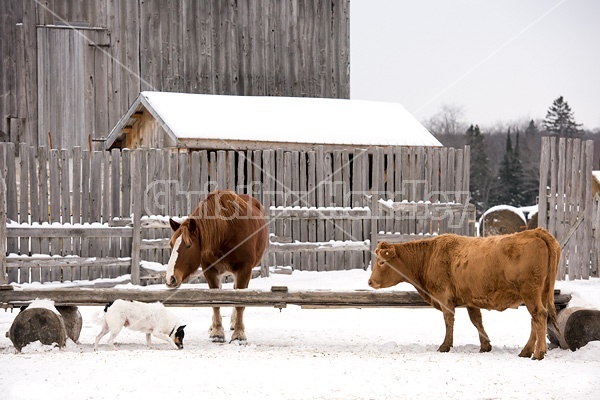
(515, 210)
(287, 119)
(310, 354)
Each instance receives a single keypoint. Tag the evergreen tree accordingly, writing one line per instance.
(508, 187)
(501, 190)
(517, 186)
(559, 119)
(531, 164)
(480, 173)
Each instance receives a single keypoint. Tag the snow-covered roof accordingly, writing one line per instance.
(300, 120)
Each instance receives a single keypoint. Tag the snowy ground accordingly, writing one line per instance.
(310, 354)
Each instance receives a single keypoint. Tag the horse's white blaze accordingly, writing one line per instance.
(173, 259)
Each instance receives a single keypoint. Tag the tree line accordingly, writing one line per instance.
(505, 157)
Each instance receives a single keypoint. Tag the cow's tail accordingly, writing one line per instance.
(554, 252)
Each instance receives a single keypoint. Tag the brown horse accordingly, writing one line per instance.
(225, 234)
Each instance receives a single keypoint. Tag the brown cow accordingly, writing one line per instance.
(493, 273)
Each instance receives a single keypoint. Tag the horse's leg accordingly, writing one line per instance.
(242, 279)
(216, 331)
(475, 316)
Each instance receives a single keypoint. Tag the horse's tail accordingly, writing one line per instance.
(554, 252)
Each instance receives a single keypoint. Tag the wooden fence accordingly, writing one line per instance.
(567, 207)
(91, 196)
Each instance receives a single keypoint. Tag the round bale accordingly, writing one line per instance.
(577, 325)
(73, 321)
(501, 220)
(38, 323)
(533, 221)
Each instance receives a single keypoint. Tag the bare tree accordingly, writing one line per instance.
(447, 121)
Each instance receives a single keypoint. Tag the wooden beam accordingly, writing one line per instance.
(137, 114)
(218, 297)
(192, 297)
(127, 129)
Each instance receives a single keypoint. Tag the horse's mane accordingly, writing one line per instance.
(213, 217)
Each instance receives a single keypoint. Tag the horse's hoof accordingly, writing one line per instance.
(444, 348)
(485, 349)
(217, 339)
(239, 342)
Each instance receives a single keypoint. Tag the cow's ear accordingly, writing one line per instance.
(174, 225)
(386, 251)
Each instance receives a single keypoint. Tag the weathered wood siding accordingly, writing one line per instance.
(78, 187)
(567, 206)
(76, 83)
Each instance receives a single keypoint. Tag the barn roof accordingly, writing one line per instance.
(300, 120)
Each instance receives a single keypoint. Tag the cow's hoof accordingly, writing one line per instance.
(525, 353)
(539, 356)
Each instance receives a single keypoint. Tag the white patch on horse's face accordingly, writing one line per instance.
(173, 259)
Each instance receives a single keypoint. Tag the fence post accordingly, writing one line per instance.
(3, 275)
(137, 199)
(376, 174)
(543, 188)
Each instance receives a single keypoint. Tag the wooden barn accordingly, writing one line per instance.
(218, 122)
(71, 68)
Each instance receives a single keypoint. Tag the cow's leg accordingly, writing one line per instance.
(242, 279)
(475, 316)
(216, 331)
(537, 339)
(448, 311)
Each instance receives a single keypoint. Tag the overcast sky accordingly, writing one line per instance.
(499, 60)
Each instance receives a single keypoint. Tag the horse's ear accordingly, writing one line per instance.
(192, 224)
(181, 328)
(174, 224)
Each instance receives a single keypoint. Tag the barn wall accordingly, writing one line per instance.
(244, 47)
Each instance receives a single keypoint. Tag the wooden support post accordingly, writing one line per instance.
(138, 200)
(3, 274)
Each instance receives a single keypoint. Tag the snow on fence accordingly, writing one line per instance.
(78, 204)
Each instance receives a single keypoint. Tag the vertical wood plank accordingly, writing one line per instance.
(295, 201)
(126, 201)
(86, 200)
(267, 201)
(54, 202)
(34, 207)
(303, 202)
(184, 184)
(589, 204)
(312, 201)
(137, 214)
(3, 220)
(24, 204)
(95, 249)
(543, 185)
(44, 208)
(195, 186)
